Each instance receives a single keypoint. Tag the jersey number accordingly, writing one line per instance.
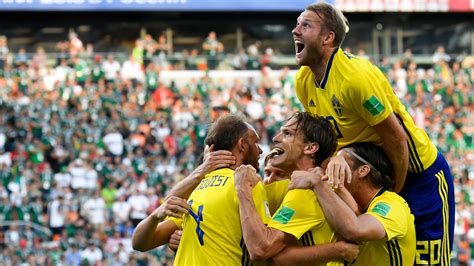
(428, 252)
(334, 123)
(198, 218)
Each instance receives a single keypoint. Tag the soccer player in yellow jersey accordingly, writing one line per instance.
(211, 226)
(386, 227)
(357, 99)
(303, 142)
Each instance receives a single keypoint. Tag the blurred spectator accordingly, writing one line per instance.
(138, 52)
(253, 52)
(21, 57)
(113, 141)
(12, 236)
(94, 210)
(75, 44)
(212, 48)
(139, 205)
(111, 69)
(150, 47)
(39, 59)
(440, 55)
(73, 255)
(121, 211)
(267, 58)
(399, 75)
(163, 47)
(362, 53)
(78, 170)
(407, 58)
(132, 70)
(240, 60)
(91, 254)
(3, 51)
(57, 215)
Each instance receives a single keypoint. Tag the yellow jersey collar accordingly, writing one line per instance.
(328, 68)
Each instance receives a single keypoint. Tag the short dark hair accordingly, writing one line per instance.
(226, 131)
(377, 157)
(316, 129)
(333, 20)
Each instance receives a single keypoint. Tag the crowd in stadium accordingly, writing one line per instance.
(89, 145)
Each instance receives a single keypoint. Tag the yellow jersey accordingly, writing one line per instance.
(212, 233)
(399, 247)
(354, 95)
(276, 191)
(301, 216)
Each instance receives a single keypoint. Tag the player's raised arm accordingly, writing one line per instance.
(262, 242)
(152, 231)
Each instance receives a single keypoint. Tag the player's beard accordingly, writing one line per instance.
(251, 159)
(313, 54)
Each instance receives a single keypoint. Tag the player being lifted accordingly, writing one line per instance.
(357, 98)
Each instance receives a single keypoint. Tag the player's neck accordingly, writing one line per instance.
(365, 196)
(304, 163)
(319, 66)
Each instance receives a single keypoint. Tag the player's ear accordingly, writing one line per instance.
(311, 148)
(241, 144)
(363, 170)
(329, 38)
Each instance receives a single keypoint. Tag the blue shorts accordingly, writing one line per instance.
(430, 195)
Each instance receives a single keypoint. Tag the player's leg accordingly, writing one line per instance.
(431, 198)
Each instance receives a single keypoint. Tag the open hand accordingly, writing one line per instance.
(338, 171)
(214, 160)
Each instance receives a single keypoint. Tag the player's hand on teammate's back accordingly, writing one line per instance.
(173, 207)
(245, 175)
(214, 160)
(337, 171)
(175, 239)
(306, 179)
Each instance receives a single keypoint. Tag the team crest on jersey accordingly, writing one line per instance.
(311, 103)
(336, 105)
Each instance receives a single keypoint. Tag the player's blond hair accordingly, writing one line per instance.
(333, 20)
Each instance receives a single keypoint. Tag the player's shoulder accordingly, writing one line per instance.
(353, 66)
(303, 72)
(221, 171)
(300, 195)
(390, 200)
